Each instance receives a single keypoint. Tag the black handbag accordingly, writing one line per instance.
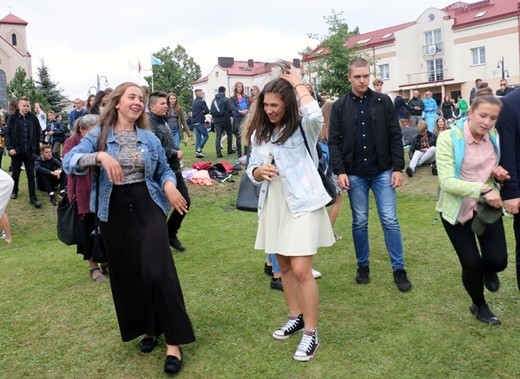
(327, 181)
(68, 225)
(95, 243)
(248, 193)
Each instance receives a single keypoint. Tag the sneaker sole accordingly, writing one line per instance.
(306, 358)
(282, 338)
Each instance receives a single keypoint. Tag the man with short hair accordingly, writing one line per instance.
(416, 107)
(22, 141)
(49, 174)
(473, 92)
(77, 112)
(54, 134)
(366, 152)
(199, 110)
(378, 85)
(221, 113)
(504, 88)
(422, 149)
(158, 106)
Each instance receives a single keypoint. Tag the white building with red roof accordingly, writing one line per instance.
(13, 52)
(444, 50)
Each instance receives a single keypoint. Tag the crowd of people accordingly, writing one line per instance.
(124, 152)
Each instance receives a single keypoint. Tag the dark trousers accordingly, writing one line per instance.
(48, 182)
(16, 164)
(220, 129)
(491, 258)
(175, 219)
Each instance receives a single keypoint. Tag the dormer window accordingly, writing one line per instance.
(480, 14)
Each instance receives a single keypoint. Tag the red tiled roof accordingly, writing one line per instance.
(377, 37)
(12, 19)
(241, 68)
(464, 13)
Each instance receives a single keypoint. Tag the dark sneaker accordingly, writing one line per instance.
(52, 199)
(292, 326)
(307, 347)
(400, 278)
(409, 172)
(484, 314)
(268, 270)
(62, 193)
(14, 195)
(363, 275)
(276, 284)
(34, 201)
(200, 154)
(176, 244)
(220, 156)
(491, 281)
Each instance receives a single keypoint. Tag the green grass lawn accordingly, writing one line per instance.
(55, 322)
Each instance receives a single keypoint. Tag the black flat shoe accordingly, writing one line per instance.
(148, 344)
(172, 364)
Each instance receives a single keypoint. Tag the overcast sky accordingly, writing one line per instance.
(82, 39)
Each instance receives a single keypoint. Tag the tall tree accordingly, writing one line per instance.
(22, 85)
(176, 73)
(332, 68)
(49, 89)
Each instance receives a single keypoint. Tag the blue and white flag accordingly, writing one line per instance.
(156, 61)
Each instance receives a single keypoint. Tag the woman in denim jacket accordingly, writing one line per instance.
(293, 221)
(136, 189)
(467, 162)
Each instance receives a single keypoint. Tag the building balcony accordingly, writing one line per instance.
(427, 77)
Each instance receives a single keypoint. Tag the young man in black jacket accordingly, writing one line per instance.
(221, 112)
(158, 109)
(49, 174)
(366, 152)
(22, 141)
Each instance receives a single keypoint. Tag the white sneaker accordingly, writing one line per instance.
(337, 236)
(316, 274)
(307, 347)
(3, 236)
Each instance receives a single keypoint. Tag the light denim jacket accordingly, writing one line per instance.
(302, 184)
(156, 171)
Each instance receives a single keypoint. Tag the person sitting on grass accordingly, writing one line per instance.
(49, 174)
(422, 150)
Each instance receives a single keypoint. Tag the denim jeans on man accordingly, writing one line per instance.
(385, 197)
(201, 136)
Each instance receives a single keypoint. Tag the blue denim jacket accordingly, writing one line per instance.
(157, 171)
(297, 169)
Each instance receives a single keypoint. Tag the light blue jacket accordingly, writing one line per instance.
(302, 184)
(156, 171)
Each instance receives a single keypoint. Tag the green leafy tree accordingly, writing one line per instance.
(332, 68)
(22, 85)
(176, 74)
(49, 89)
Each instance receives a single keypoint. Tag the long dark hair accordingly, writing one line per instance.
(260, 122)
(95, 109)
(108, 118)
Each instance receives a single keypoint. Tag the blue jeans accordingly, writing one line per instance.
(385, 198)
(176, 137)
(272, 258)
(201, 136)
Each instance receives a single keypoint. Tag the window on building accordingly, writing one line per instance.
(478, 56)
(384, 70)
(435, 70)
(432, 37)
(13, 39)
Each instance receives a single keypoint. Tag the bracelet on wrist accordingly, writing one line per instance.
(307, 94)
(297, 85)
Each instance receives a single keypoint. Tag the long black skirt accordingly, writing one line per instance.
(145, 287)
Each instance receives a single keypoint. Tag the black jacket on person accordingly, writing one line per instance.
(416, 142)
(12, 133)
(226, 109)
(386, 133)
(46, 167)
(415, 102)
(161, 129)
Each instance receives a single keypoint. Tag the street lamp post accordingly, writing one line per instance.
(99, 77)
(501, 66)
